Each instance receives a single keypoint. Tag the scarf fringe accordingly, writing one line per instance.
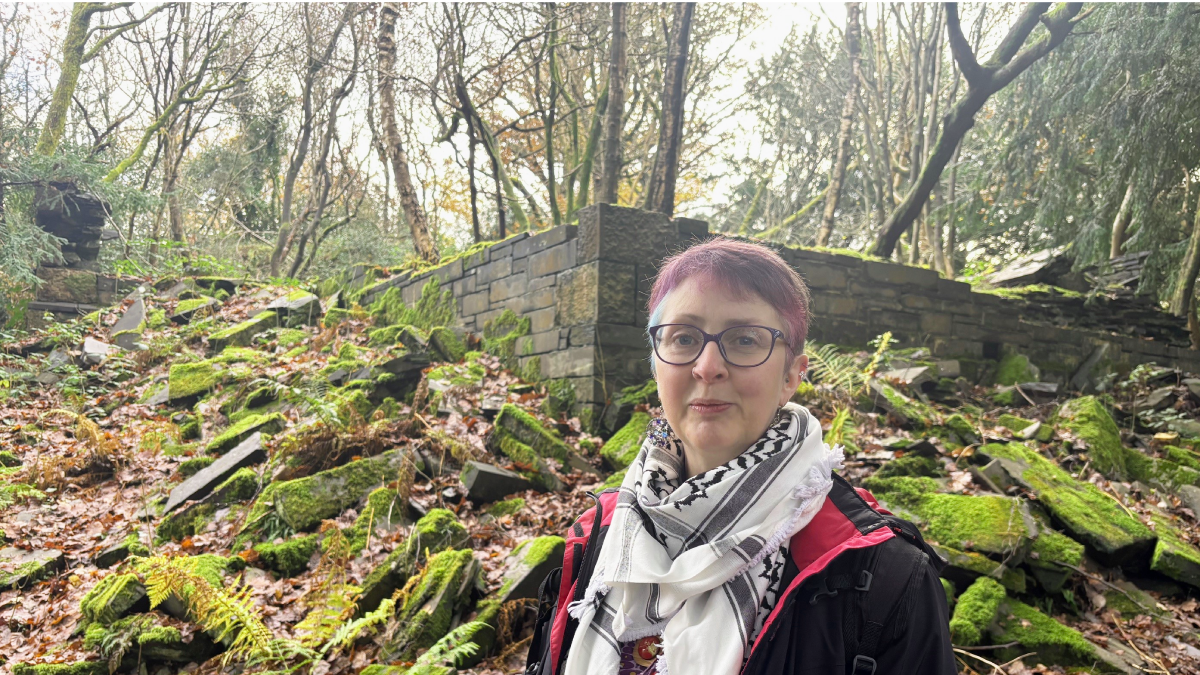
(592, 596)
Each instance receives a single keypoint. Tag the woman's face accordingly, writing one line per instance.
(717, 409)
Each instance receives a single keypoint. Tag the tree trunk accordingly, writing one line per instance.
(837, 173)
(1183, 302)
(413, 211)
(548, 120)
(72, 61)
(611, 159)
(475, 231)
(1121, 223)
(660, 193)
(1006, 63)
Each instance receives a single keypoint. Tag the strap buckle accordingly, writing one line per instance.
(864, 581)
(863, 665)
(823, 591)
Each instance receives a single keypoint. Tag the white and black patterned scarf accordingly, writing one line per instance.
(695, 559)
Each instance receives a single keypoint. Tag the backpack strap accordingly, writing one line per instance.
(883, 596)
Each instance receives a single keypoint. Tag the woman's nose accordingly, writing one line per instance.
(710, 365)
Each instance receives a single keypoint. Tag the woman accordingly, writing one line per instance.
(731, 546)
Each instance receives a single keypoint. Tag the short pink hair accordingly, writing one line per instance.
(744, 268)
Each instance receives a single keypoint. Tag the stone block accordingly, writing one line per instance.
(126, 332)
(541, 319)
(806, 256)
(508, 287)
(835, 304)
(248, 452)
(464, 285)
(298, 308)
(914, 301)
(936, 323)
(820, 276)
(581, 336)
(552, 260)
(476, 259)
(626, 235)
(544, 240)
(890, 273)
(498, 268)
(539, 299)
(486, 483)
(572, 362)
(952, 347)
(520, 265)
(884, 320)
(475, 303)
(61, 284)
(538, 343)
(543, 282)
(867, 289)
(691, 229)
(612, 335)
(447, 272)
(954, 290)
(967, 331)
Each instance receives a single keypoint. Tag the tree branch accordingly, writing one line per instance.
(961, 49)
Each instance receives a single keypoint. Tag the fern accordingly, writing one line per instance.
(840, 429)
(841, 372)
(230, 614)
(453, 647)
(348, 633)
(881, 353)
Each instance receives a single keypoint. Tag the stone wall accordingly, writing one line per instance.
(584, 289)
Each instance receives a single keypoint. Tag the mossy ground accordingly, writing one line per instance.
(508, 507)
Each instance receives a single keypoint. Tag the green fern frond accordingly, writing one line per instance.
(831, 367)
(840, 429)
(454, 647)
(348, 633)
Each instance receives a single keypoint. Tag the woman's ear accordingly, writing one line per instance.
(792, 377)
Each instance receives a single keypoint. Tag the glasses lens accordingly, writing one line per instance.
(747, 345)
(678, 343)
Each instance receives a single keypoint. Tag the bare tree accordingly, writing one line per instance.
(610, 175)
(837, 172)
(660, 192)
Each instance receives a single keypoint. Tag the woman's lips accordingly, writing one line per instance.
(705, 406)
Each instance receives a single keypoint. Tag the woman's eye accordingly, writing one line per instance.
(685, 340)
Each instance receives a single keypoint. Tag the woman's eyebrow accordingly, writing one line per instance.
(683, 318)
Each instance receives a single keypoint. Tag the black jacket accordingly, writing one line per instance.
(862, 596)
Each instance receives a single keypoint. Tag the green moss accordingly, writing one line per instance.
(335, 316)
(381, 510)
(446, 345)
(500, 336)
(638, 394)
(508, 507)
(1016, 369)
(1173, 555)
(241, 355)
(911, 465)
(526, 462)
(1087, 418)
(965, 431)
(1054, 547)
(303, 503)
(240, 431)
(560, 397)
(189, 429)
(185, 522)
(1183, 457)
(111, 598)
(8, 459)
(188, 380)
(287, 337)
(241, 334)
(192, 304)
(988, 524)
(240, 487)
(536, 551)
(614, 480)
(902, 490)
(948, 589)
(133, 543)
(975, 610)
(290, 557)
(525, 428)
(464, 375)
(1005, 396)
(429, 609)
(916, 413)
(978, 565)
(190, 467)
(1090, 516)
(1013, 423)
(1053, 641)
(435, 307)
(624, 446)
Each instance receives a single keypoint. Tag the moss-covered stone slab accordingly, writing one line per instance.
(247, 453)
(1089, 516)
(442, 591)
(1087, 418)
(126, 332)
(214, 284)
(243, 429)
(975, 610)
(189, 381)
(446, 345)
(112, 597)
(1052, 557)
(149, 642)
(303, 503)
(964, 567)
(28, 567)
(528, 464)
(1016, 369)
(436, 531)
(620, 450)
(1173, 555)
(186, 310)
(74, 668)
(907, 411)
(288, 558)
(297, 308)
(514, 422)
(240, 335)
(1054, 642)
(130, 545)
(524, 570)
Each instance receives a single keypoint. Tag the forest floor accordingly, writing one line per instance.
(94, 442)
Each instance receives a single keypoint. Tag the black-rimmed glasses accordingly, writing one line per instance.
(679, 344)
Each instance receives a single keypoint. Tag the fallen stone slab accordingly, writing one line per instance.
(436, 531)
(186, 310)
(620, 450)
(963, 568)
(298, 308)
(443, 590)
(996, 526)
(304, 502)
(524, 570)
(1190, 496)
(515, 423)
(189, 381)
(1094, 519)
(128, 329)
(113, 597)
(1053, 641)
(241, 334)
(248, 452)
(245, 428)
(486, 483)
(1173, 555)
(130, 545)
(908, 412)
(916, 379)
(446, 345)
(95, 352)
(30, 567)
(406, 364)
(215, 284)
